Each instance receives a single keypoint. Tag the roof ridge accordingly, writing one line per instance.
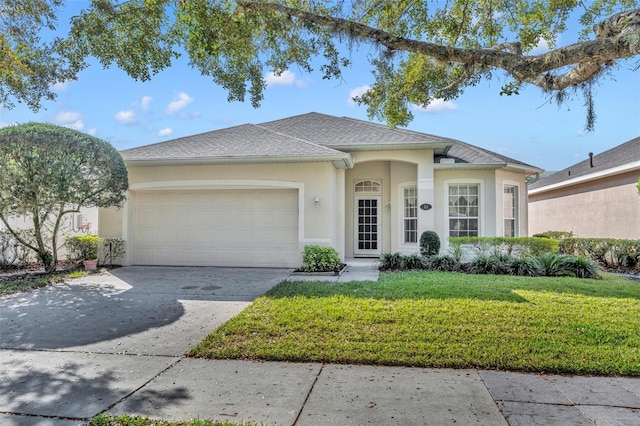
(397, 129)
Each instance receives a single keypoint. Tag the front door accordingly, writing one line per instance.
(367, 226)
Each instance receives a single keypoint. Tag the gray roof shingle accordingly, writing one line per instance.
(465, 153)
(620, 155)
(347, 132)
(244, 141)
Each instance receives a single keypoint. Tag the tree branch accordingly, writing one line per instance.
(617, 37)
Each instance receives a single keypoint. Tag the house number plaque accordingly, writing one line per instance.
(425, 206)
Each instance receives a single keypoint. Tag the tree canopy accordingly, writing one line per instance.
(50, 171)
(422, 50)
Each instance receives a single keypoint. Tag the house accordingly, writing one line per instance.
(256, 194)
(85, 222)
(595, 198)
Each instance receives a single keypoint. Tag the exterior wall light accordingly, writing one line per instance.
(316, 201)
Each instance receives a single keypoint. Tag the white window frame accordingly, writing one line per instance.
(402, 213)
(481, 202)
(516, 208)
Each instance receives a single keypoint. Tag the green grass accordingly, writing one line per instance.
(439, 319)
(35, 281)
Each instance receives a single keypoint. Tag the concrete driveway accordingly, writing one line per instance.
(62, 347)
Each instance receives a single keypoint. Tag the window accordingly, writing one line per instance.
(410, 214)
(368, 186)
(510, 207)
(464, 213)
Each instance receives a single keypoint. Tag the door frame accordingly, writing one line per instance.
(364, 252)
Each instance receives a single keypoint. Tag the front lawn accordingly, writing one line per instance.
(439, 319)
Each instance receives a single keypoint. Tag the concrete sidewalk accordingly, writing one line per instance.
(65, 389)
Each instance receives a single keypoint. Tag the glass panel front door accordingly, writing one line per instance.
(367, 226)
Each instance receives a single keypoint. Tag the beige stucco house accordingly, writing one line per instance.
(595, 198)
(256, 194)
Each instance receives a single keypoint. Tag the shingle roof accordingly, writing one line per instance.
(465, 153)
(347, 132)
(626, 153)
(307, 136)
(245, 141)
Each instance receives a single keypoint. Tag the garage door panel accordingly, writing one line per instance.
(216, 228)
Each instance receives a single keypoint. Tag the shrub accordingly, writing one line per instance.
(626, 253)
(583, 267)
(82, 247)
(412, 262)
(553, 265)
(555, 235)
(607, 252)
(445, 263)
(524, 266)
(111, 249)
(320, 259)
(455, 250)
(522, 246)
(391, 262)
(497, 264)
(429, 243)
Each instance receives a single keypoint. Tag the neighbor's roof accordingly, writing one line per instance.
(308, 137)
(616, 160)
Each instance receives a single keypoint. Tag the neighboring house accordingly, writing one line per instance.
(597, 197)
(256, 194)
(85, 222)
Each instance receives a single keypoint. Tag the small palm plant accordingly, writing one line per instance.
(553, 265)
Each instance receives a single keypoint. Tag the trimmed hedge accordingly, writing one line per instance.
(608, 252)
(523, 246)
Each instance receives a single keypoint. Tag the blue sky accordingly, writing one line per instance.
(179, 102)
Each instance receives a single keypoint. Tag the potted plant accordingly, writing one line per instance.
(84, 248)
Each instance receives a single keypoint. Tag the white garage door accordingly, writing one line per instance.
(216, 228)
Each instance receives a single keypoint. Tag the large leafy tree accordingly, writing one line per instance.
(421, 49)
(29, 65)
(50, 171)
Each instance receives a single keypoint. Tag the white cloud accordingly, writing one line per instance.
(165, 132)
(144, 104)
(76, 125)
(60, 87)
(581, 133)
(70, 119)
(180, 101)
(65, 117)
(92, 131)
(126, 116)
(287, 78)
(436, 106)
(358, 91)
(541, 47)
